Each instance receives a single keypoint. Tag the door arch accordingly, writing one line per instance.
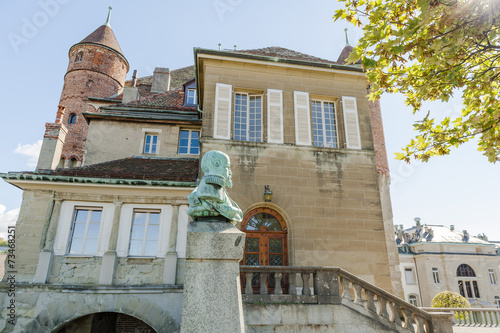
(266, 244)
(266, 241)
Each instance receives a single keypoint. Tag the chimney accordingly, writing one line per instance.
(61, 110)
(161, 80)
(134, 78)
(131, 93)
(466, 236)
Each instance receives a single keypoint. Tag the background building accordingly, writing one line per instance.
(435, 258)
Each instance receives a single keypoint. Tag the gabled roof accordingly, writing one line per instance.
(136, 167)
(281, 52)
(103, 36)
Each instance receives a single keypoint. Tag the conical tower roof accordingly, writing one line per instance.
(103, 36)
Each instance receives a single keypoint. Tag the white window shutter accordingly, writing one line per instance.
(274, 116)
(351, 123)
(302, 118)
(222, 114)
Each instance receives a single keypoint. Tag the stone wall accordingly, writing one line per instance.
(330, 195)
(124, 139)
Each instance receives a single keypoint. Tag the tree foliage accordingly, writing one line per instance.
(449, 299)
(429, 50)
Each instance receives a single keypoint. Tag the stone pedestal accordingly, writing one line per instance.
(212, 293)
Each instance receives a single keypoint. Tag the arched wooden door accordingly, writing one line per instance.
(266, 241)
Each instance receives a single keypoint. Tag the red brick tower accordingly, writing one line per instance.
(97, 68)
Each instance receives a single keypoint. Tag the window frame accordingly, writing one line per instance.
(190, 138)
(188, 97)
(147, 224)
(150, 131)
(125, 228)
(492, 275)
(435, 275)
(65, 221)
(85, 238)
(323, 123)
(413, 297)
(247, 118)
(410, 269)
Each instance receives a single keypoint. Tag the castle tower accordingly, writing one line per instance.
(97, 68)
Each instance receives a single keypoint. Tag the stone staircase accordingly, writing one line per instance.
(320, 299)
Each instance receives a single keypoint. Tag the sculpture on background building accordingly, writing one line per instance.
(210, 198)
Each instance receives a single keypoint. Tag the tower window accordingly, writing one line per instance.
(79, 56)
(72, 118)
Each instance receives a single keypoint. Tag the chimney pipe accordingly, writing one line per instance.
(134, 78)
(61, 110)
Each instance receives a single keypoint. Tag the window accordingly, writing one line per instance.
(467, 286)
(144, 234)
(189, 142)
(150, 143)
(410, 277)
(324, 124)
(247, 117)
(191, 97)
(435, 275)
(493, 277)
(72, 118)
(412, 299)
(497, 301)
(465, 270)
(85, 231)
(79, 56)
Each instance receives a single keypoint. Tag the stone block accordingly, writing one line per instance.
(214, 240)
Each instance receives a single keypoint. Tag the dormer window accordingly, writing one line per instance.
(191, 97)
(190, 94)
(79, 56)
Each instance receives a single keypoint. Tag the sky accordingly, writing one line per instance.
(35, 37)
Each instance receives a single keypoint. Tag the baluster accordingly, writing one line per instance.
(419, 321)
(277, 283)
(306, 290)
(263, 283)
(358, 299)
(382, 302)
(292, 290)
(393, 314)
(248, 283)
(397, 314)
(495, 315)
(370, 304)
(346, 291)
(408, 323)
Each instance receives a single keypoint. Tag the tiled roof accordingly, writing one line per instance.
(345, 53)
(281, 52)
(104, 36)
(177, 78)
(170, 100)
(165, 169)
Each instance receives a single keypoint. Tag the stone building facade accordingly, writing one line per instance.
(103, 220)
(435, 258)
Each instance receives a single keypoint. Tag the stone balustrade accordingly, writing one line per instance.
(472, 317)
(322, 285)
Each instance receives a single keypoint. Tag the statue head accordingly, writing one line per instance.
(217, 168)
